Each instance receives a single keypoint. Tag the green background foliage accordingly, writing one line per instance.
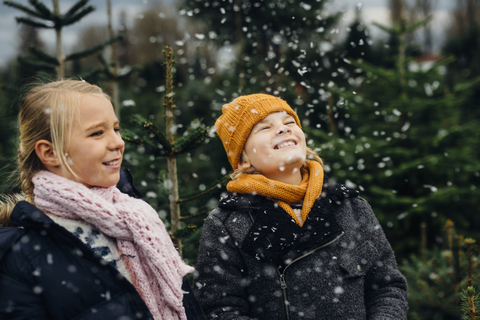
(406, 134)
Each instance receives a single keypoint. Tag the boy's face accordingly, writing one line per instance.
(276, 145)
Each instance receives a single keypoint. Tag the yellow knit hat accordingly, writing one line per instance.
(241, 115)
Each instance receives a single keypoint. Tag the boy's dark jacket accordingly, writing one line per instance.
(48, 273)
(254, 262)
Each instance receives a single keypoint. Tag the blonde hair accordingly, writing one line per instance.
(244, 167)
(47, 112)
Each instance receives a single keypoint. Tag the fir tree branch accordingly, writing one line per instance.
(181, 233)
(442, 62)
(12, 89)
(106, 66)
(191, 141)
(132, 137)
(92, 50)
(146, 144)
(92, 73)
(23, 8)
(208, 190)
(42, 9)
(466, 85)
(381, 72)
(36, 65)
(196, 214)
(151, 128)
(33, 23)
(427, 292)
(73, 10)
(470, 304)
(102, 59)
(74, 18)
(42, 55)
(126, 74)
(385, 28)
(418, 24)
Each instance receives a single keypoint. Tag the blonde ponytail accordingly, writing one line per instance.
(7, 203)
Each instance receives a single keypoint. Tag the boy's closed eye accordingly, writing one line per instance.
(263, 127)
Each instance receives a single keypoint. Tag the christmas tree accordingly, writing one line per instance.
(162, 143)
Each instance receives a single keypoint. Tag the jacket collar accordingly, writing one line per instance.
(275, 237)
(27, 215)
(125, 184)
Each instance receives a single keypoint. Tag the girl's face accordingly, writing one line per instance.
(95, 149)
(276, 146)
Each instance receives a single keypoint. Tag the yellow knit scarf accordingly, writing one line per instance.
(283, 193)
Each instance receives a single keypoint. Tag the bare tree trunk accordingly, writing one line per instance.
(397, 7)
(332, 128)
(470, 12)
(172, 160)
(241, 42)
(59, 47)
(465, 16)
(401, 55)
(396, 10)
(114, 69)
(425, 7)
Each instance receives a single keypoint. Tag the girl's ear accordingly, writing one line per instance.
(44, 151)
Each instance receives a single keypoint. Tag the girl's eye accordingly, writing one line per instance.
(117, 129)
(263, 128)
(290, 122)
(95, 134)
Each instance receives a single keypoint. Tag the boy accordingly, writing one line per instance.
(286, 244)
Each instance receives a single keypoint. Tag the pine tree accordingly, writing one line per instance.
(277, 45)
(441, 283)
(397, 135)
(162, 143)
(40, 16)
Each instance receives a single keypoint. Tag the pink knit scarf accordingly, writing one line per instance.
(155, 265)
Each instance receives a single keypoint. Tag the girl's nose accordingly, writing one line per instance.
(117, 142)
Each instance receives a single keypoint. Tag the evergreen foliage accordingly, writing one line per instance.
(43, 17)
(162, 143)
(440, 282)
(278, 44)
(392, 132)
(406, 135)
(470, 304)
(39, 64)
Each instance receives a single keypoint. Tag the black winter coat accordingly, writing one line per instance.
(48, 273)
(255, 262)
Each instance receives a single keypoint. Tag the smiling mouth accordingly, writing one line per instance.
(112, 163)
(285, 144)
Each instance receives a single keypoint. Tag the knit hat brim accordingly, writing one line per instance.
(241, 115)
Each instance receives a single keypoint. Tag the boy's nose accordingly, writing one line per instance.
(283, 130)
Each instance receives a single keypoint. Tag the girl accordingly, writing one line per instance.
(77, 247)
(287, 243)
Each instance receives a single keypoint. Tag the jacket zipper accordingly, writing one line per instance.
(283, 283)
